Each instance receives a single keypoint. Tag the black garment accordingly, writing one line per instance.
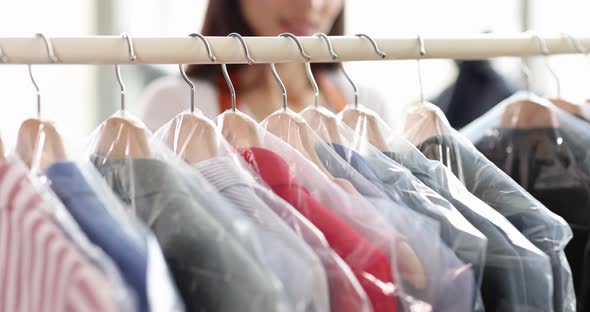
(477, 89)
(504, 283)
(483, 179)
(212, 271)
(554, 171)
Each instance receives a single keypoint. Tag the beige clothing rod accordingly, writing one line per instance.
(186, 50)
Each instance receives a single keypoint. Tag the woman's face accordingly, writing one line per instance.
(300, 17)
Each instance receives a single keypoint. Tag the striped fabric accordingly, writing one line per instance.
(40, 270)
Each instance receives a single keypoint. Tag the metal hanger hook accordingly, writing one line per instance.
(244, 46)
(527, 73)
(374, 44)
(212, 58)
(52, 59)
(273, 69)
(183, 72)
(422, 52)
(132, 57)
(328, 43)
(308, 72)
(230, 85)
(545, 51)
(334, 57)
(577, 44)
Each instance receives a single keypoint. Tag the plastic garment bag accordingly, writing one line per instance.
(550, 161)
(92, 209)
(502, 274)
(211, 268)
(39, 240)
(438, 141)
(355, 229)
(457, 233)
(231, 176)
(268, 238)
(121, 236)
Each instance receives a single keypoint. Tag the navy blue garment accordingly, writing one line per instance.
(102, 230)
(477, 89)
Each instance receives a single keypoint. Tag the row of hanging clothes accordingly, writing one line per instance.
(309, 211)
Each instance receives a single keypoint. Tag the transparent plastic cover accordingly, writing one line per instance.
(211, 267)
(398, 182)
(542, 283)
(230, 175)
(375, 238)
(544, 150)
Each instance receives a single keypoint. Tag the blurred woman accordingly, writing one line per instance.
(258, 94)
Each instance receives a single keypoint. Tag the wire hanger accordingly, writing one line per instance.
(558, 101)
(39, 144)
(191, 135)
(580, 49)
(132, 57)
(238, 129)
(322, 120)
(545, 51)
(422, 51)
(232, 90)
(362, 119)
(212, 58)
(334, 56)
(122, 137)
(288, 125)
(532, 112)
(423, 120)
(308, 71)
(573, 108)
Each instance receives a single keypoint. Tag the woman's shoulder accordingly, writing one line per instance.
(168, 96)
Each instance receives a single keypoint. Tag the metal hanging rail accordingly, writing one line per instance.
(186, 50)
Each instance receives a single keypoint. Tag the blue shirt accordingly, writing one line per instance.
(83, 204)
(454, 280)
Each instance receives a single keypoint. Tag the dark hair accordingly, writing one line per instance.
(224, 17)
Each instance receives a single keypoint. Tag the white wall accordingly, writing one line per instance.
(68, 92)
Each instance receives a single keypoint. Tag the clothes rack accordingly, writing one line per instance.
(186, 50)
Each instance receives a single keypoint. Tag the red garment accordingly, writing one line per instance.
(369, 264)
(40, 269)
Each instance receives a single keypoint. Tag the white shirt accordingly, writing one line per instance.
(168, 96)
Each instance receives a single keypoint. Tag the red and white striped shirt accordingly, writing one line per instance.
(40, 269)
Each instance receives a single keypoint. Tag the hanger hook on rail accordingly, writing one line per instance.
(230, 85)
(577, 44)
(132, 58)
(185, 76)
(308, 71)
(422, 53)
(52, 59)
(542, 44)
(377, 50)
(334, 57)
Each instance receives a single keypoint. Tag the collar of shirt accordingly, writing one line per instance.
(223, 172)
(121, 173)
(273, 164)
